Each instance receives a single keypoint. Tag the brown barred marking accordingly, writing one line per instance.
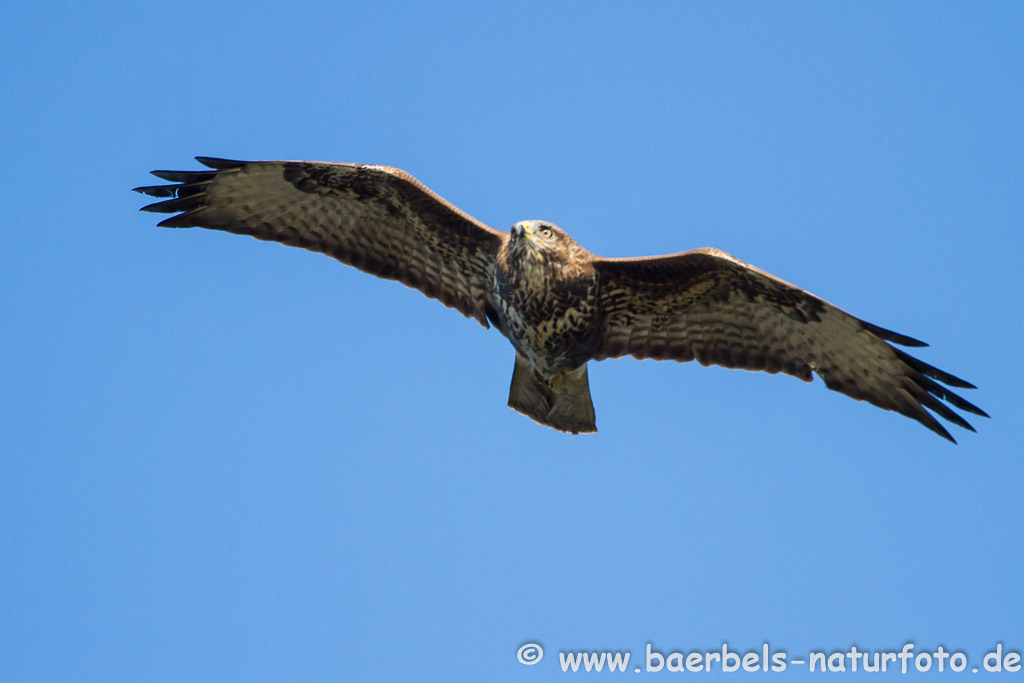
(558, 304)
(378, 219)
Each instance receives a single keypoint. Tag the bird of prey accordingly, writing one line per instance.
(558, 304)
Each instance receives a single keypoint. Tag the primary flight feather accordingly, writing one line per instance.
(559, 305)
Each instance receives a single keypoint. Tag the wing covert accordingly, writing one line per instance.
(708, 306)
(376, 218)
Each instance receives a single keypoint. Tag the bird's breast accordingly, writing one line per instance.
(550, 320)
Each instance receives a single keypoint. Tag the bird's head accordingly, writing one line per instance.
(544, 244)
(538, 237)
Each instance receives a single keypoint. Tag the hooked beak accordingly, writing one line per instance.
(521, 229)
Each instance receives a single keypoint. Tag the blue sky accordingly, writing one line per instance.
(223, 459)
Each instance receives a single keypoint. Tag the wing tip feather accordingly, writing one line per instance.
(927, 394)
(893, 337)
(157, 190)
(220, 164)
(182, 220)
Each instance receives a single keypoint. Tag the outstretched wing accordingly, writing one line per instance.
(376, 218)
(706, 305)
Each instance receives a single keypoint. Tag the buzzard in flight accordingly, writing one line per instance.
(559, 305)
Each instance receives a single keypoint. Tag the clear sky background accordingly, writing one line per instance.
(222, 459)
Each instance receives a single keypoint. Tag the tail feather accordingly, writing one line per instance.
(563, 402)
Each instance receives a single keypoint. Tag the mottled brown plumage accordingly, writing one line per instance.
(559, 305)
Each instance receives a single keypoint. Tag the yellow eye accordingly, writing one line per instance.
(546, 233)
